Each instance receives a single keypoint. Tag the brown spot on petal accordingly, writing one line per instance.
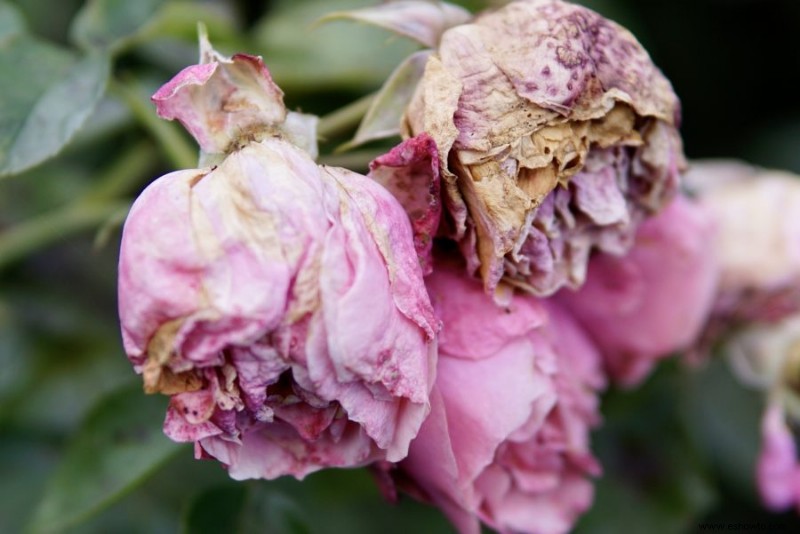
(158, 378)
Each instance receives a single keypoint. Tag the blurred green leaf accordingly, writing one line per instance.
(117, 447)
(105, 24)
(270, 510)
(15, 362)
(654, 480)
(305, 58)
(25, 462)
(46, 96)
(11, 21)
(216, 510)
(722, 418)
(116, 25)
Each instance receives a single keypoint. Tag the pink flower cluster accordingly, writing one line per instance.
(452, 317)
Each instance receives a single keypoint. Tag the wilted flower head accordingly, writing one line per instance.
(655, 300)
(280, 303)
(556, 134)
(507, 440)
(757, 213)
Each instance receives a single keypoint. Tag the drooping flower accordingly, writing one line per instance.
(756, 315)
(656, 299)
(556, 135)
(767, 356)
(507, 440)
(279, 303)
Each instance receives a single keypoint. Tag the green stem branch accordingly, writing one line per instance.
(100, 207)
(41, 231)
(345, 118)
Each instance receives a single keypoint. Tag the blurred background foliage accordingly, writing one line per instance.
(81, 448)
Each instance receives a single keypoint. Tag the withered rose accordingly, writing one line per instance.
(279, 303)
(556, 135)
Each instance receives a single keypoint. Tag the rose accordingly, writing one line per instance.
(556, 135)
(507, 440)
(279, 303)
(655, 300)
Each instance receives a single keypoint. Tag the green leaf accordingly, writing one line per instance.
(25, 462)
(46, 96)
(654, 480)
(119, 445)
(386, 112)
(215, 510)
(11, 21)
(304, 57)
(723, 420)
(106, 24)
(270, 510)
(117, 25)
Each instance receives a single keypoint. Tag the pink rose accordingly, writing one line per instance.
(556, 135)
(653, 301)
(279, 303)
(507, 441)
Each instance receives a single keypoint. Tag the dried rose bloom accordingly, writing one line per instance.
(556, 135)
(516, 395)
(655, 300)
(279, 303)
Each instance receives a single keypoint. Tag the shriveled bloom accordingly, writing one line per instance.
(279, 303)
(556, 134)
(507, 440)
(655, 300)
(758, 245)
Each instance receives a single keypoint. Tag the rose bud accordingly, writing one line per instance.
(556, 135)
(758, 245)
(653, 301)
(279, 303)
(516, 395)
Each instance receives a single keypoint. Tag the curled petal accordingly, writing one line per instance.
(410, 172)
